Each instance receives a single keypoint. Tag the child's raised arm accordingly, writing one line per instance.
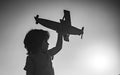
(58, 46)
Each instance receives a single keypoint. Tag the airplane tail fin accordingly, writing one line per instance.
(82, 32)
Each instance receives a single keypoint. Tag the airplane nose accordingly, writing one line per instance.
(36, 19)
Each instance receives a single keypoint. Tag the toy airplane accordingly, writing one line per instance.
(64, 26)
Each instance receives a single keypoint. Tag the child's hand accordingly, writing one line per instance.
(59, 30)
(60, 33)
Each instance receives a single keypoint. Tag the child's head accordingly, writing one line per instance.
(34, 39)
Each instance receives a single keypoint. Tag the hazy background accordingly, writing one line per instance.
(98, 53)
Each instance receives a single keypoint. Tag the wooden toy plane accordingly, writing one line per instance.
(64, 26)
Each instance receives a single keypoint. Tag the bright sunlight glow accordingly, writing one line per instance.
(99, 62)
(99, 58)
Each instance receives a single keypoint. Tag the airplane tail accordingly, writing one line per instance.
(82, 32)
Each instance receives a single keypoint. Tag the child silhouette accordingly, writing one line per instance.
(39, 59)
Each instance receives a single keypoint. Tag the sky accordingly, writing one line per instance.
(98, 53)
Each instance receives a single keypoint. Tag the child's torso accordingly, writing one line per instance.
(42, 64)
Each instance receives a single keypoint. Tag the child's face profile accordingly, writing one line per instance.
(45, 45)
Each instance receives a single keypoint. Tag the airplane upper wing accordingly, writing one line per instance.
(67, 17)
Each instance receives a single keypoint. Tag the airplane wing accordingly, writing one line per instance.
(67, 21)
(67, 17)
(70, 29)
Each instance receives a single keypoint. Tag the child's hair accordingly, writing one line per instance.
(34, 39)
